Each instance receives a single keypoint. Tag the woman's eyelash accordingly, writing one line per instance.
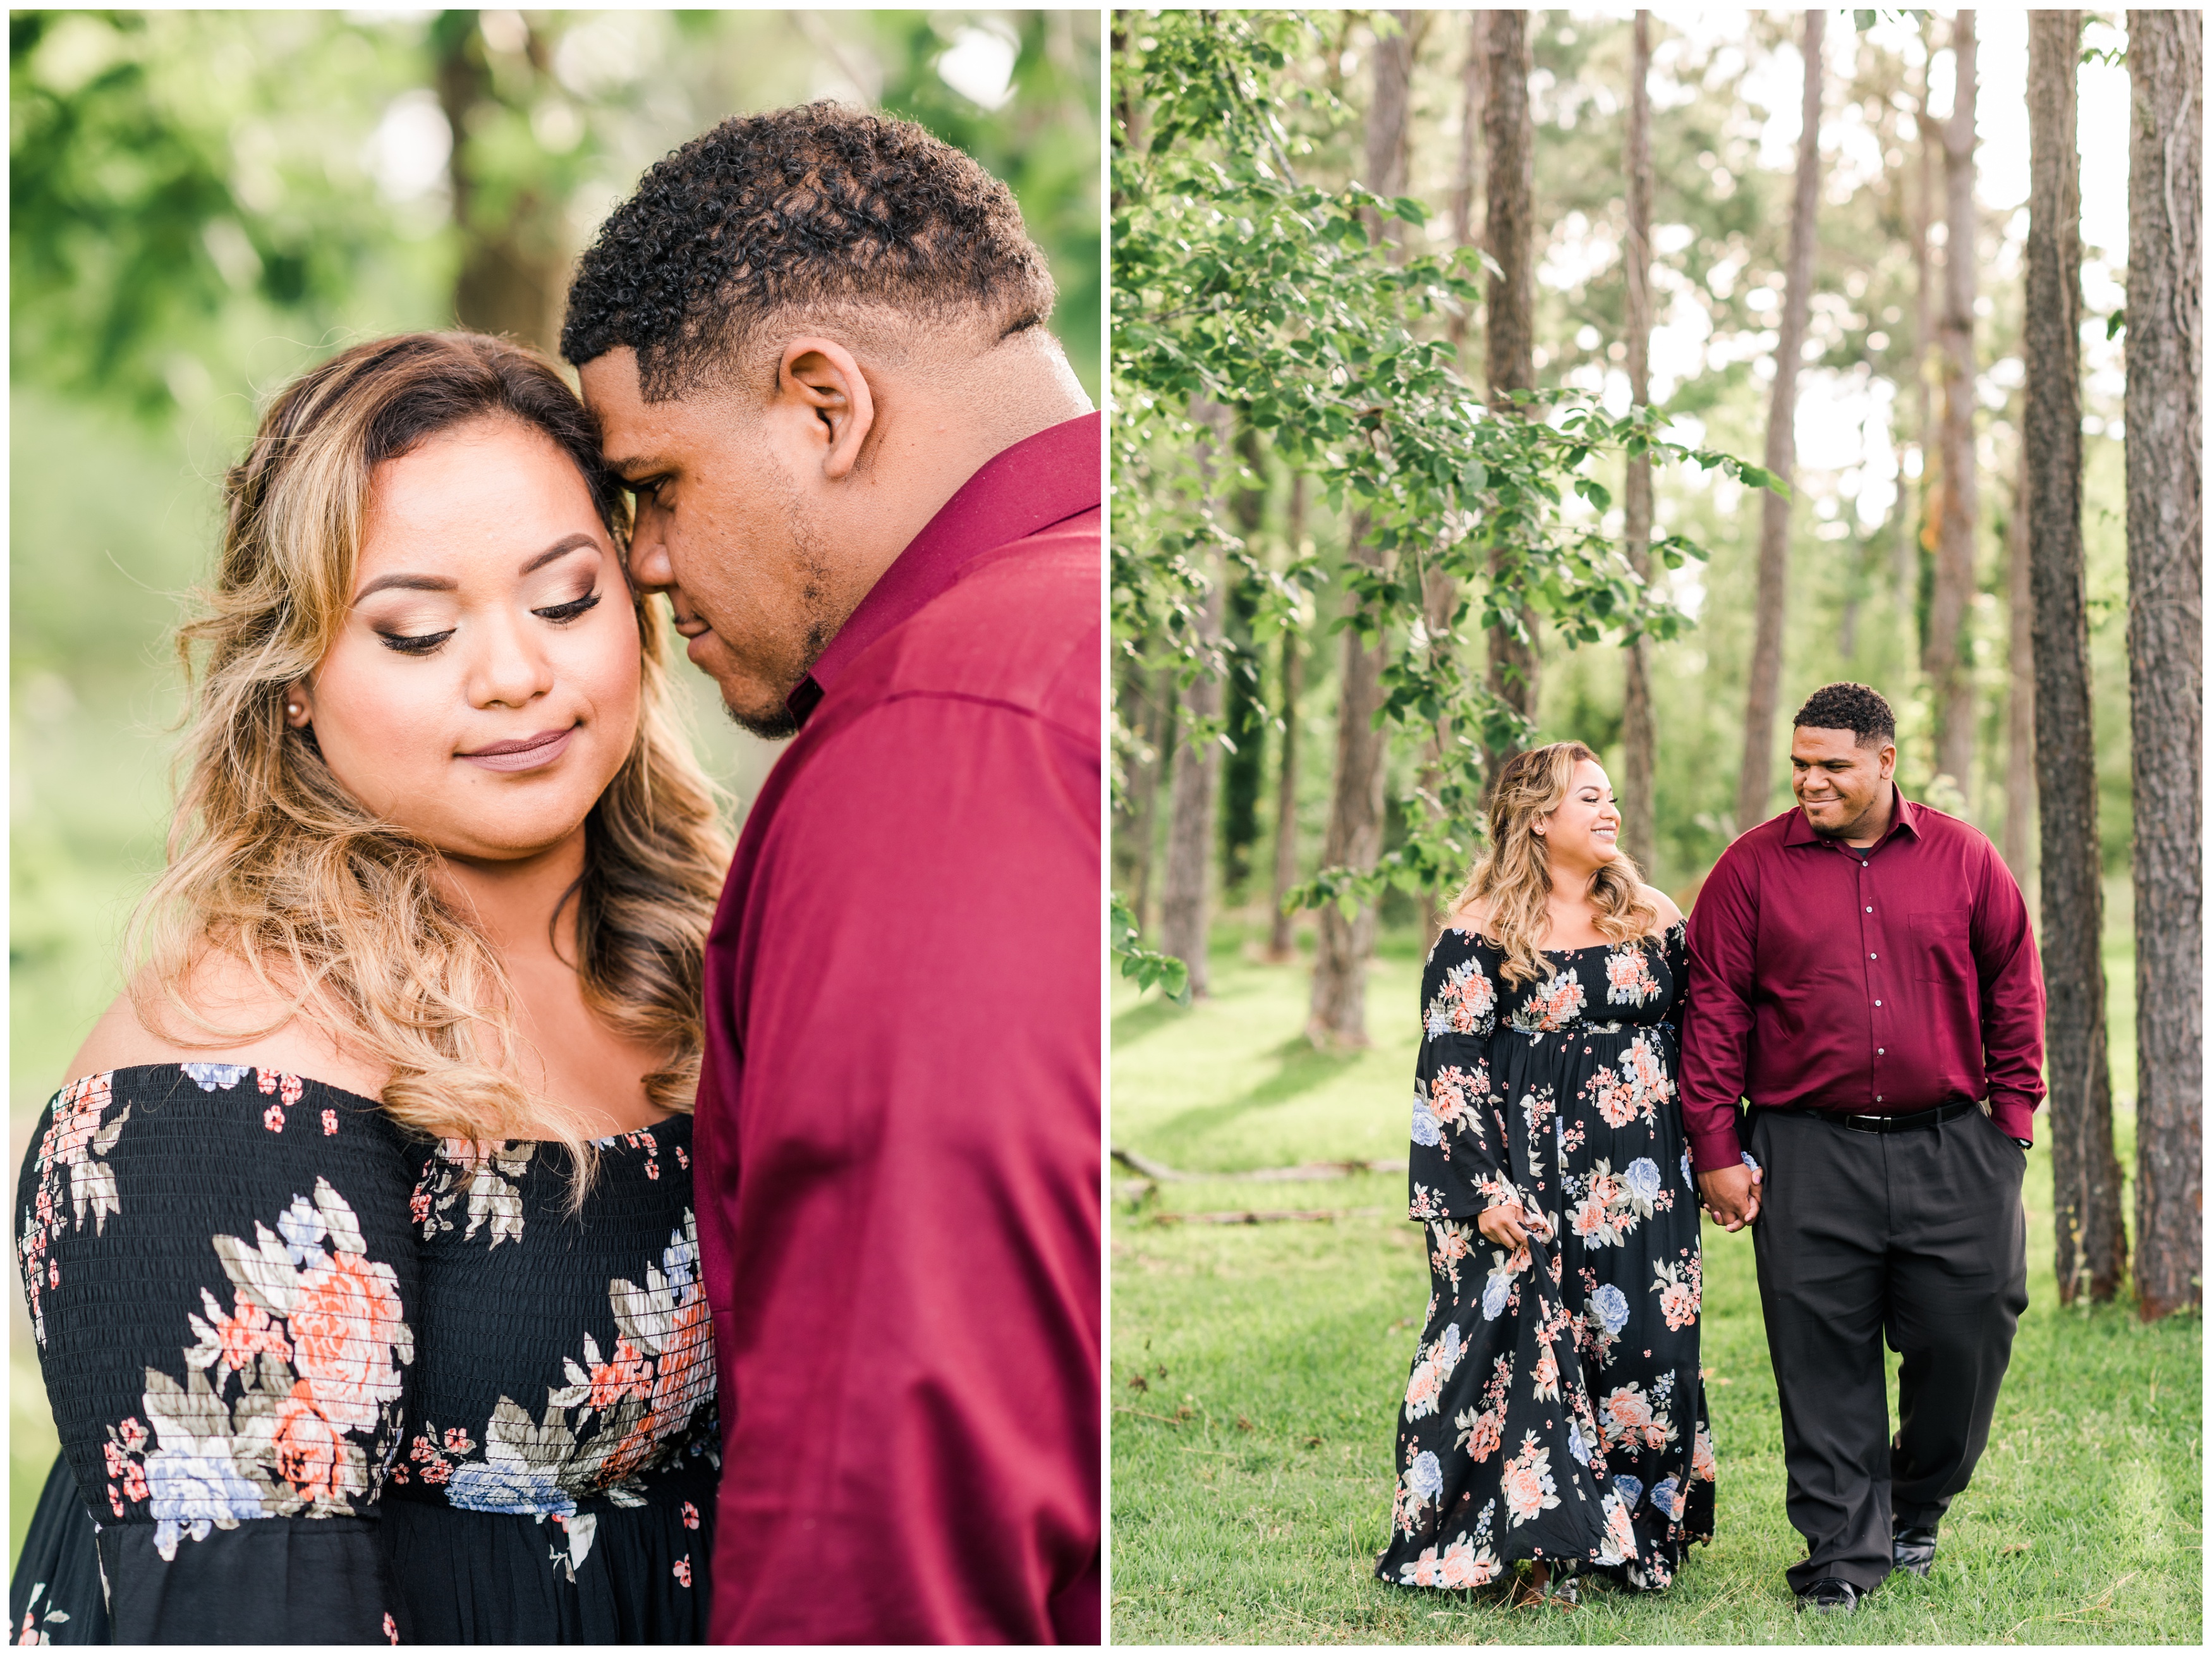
(569, 611)
(421, 644)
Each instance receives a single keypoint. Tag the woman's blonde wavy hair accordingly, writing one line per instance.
(340, 914)
(1515, 878)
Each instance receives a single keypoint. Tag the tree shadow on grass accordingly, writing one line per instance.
(1148, 1016)
(1299, 1068)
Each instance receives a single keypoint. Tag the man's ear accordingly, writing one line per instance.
(819, 377)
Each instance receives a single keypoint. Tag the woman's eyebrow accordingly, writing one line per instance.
(560, 548)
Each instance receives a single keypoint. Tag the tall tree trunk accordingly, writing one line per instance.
(1133, 830)
(1281, 946)
(1950, 677)
(511, 262)
(1338, 1015)
(1755, 778)
(1242, 766)
(2165, 666)
(2090, 1244)
(1183, 903)
(1639, 740)
(1509, 309)
(1912, 556)
(1467, 186)
(2020, 696)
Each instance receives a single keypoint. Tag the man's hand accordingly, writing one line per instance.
(1730, 1196)
(1504, 1225)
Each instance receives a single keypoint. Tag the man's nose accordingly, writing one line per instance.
(648, 563)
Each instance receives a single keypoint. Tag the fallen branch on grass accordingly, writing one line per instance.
(1300, 1174)
(1301, 1215)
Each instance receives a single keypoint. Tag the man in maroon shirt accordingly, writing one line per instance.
(870, 486)
(1862, 974)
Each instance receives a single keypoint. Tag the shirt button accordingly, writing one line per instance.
(1869, 911)
(1872, 956)
(1877, 1002)
(1878, 1049)
(1877, 1096)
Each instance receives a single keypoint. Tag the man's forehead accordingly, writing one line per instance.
(1835, 743)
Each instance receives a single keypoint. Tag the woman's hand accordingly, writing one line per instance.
(1507, 1225)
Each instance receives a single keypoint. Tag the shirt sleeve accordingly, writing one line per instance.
(1458, 1166)
(1716, 1020)
(219, 1272)
(911, 1339)
(2011, 998)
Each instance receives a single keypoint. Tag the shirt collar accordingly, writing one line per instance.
(1904, 818)
(1041, 480)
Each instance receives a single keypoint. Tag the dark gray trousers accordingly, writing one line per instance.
(1914, 1238)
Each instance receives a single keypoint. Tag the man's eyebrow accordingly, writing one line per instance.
(637, 465)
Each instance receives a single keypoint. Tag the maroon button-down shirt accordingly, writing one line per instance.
(1874, 982)
(899, 1120)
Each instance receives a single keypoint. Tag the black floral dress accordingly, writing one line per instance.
(318, 1381)
(1555, 1409)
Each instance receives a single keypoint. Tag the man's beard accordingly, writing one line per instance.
(781, 723)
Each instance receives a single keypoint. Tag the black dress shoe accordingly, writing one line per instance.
(1828, 1596)
(1913, 1550)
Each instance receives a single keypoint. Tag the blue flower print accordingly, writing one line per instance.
(1688, 1183)
(1631, 1489)
(1642, 1178)
(507, 1486)
(1576, 1445)
(1495, 1292)
(188, 1494)
(303, 1230)
(1427, 1132)
(1425, 1475)
(212, 1075)
(1612, 1307)
(1662, 1497)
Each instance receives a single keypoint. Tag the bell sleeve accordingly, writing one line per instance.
(1458, 1167)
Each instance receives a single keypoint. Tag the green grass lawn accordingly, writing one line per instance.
(1257, 1371)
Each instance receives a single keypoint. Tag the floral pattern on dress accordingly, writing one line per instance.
(488, 1174)
(622, 1413)
(288, 1391)
(1554, 1407)
(71, 1153)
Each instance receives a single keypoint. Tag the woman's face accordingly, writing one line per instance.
(1584, 831)
(483, 689)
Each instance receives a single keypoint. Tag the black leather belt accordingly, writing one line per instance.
(1910, 1123)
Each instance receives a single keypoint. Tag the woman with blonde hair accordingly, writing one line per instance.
(1554, 1414)
(359, 1246)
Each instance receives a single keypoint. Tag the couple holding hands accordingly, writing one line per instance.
(495, 1214)
(1861, 972)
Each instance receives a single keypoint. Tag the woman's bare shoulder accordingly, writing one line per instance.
(1472, 916)
(1670, 914)
(223, 992)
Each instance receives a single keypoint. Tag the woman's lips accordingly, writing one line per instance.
(529, 753)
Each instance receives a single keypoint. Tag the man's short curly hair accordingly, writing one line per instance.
(1852, 707)
(816, 207)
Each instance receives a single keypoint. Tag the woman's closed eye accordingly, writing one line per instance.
(562, 614)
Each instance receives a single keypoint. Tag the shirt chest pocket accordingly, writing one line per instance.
(1942, 946)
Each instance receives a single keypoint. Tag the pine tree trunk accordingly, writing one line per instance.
(2020, 695)
(1912, 554)
(1639, 740)
(1473, 80)
(2165, 666)
(1510, 310)
(1338, 1016)
(1184, 905)
(1755, 779)
(2091, 1251)
(1280, 945)
(1950, 679)
(509, 280)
